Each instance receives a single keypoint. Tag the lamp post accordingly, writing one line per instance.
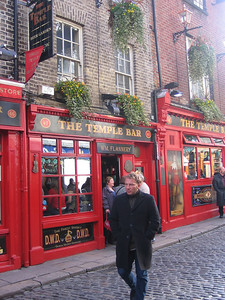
(185, 18)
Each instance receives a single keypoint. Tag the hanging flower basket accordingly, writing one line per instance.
(76, 96)
(209, 109)
(126, 19)
(201, 60)
(132, 108)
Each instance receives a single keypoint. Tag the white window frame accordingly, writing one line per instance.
(199, 3)
(61, 75)
(201, 88)
(124, 74)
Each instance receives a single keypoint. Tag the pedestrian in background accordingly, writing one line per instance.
(108, 195)
(143, 186)
(134, 221)
(219, 186)
(120, 189)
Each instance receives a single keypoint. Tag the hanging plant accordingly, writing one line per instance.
(76, 95)
(126, 19)
(209, 109)
(201, 60)
(132, 108)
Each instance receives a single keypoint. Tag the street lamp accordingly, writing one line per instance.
(185, 18)
(6, 54)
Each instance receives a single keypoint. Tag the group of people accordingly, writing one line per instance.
(219, 186)
(134, 221)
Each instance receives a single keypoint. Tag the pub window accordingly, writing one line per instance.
(209, 161)
(69, 50)
(124, 72)
(204, 162)
(217, 160)
(218, 141)
(189, 163)
(0, 181)
(66, 177)
(191, 138)
(205, 140)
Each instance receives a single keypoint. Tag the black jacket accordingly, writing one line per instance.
(219, 188)
(141, 222)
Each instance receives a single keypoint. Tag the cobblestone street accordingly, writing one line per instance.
(193, 269)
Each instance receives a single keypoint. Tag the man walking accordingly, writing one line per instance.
(219, 186)
(134, 221)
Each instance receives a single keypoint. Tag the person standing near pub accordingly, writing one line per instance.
(219, 186)
(108, 195)
(134, 221)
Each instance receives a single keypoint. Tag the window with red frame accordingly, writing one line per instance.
(66, 177)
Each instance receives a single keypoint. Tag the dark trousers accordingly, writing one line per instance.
(138, 282)
(221, 210)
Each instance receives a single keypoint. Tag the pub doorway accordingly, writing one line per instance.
(110, 167)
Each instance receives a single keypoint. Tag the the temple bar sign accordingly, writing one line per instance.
(194, 124)
(115, 148)
(41, 28)
(56, 124)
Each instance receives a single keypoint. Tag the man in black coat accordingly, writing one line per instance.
(134, 221)
(219, 186)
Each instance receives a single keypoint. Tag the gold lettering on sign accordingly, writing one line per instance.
(1, 112)
(133, 132)
(82, 233)
(95, 128)
(52, 239)
(187, 123)
(70, 126)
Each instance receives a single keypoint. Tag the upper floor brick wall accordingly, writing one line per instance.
(98, 50)
(173, 55)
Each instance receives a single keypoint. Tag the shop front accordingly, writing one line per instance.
(191, 151)
(68, 163)
(13, 183)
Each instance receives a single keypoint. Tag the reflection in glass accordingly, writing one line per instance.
(49, 146)
(218, 141)
(175, 179)
(67, 166)
(67, 146)
(205, 140)
(84, 184)
(83, 165)
(49, 165)
(191, 138)
(189, 163)
(204, 162)
(48, 183)
(85, 203)
(71, 203)
(217, 161)
(84, 147)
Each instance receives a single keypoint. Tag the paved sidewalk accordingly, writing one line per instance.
(13, 282)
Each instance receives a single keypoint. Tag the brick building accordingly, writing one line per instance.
(53, 166)
(54, 149)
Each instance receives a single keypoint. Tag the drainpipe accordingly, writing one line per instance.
(156, 43)
(156, 112)
(16, 39)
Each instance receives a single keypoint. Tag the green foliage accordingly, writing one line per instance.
(201, 60)
(209, 109)
(132, 108)
(127, 23)
(76, 95)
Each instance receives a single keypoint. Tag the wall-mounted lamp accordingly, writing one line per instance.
(172, 89)
(6, 54)
(98, 3)
(111, 103)
(185, 18)
(219, 56)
